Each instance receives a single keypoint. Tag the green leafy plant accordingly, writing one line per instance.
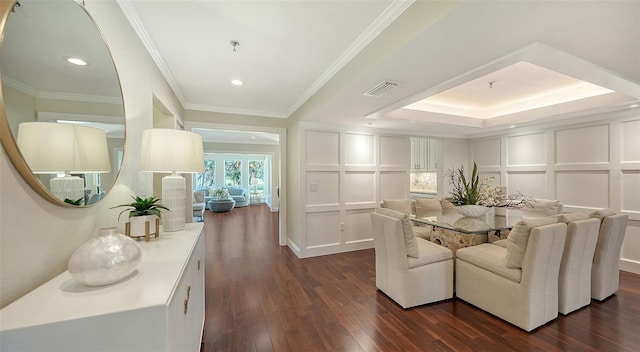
(479, 191)
(142, 207)
(221, 193)
(464, 192)
(77, 202)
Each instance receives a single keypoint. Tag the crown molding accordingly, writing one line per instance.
(132, 15)
(395, 9)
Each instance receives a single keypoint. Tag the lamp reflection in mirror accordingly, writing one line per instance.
(174, 151)
(57, 148)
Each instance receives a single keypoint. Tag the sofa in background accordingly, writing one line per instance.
(239, 195)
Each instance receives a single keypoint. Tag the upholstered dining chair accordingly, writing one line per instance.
(518, 283)
(410, 270)
(542, 207)
(574, 280)
(605, 274)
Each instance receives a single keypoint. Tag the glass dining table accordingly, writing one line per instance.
(455, 231)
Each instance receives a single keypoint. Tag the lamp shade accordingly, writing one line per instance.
(50, 148)
(175, 151)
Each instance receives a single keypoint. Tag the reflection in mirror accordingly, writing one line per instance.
(41, 87)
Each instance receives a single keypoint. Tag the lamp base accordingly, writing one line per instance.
(173, 197)
(67, 187)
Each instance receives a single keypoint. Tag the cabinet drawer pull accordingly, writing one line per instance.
(186, 301)
(198, 264)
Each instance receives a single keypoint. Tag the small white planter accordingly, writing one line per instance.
(137, 226)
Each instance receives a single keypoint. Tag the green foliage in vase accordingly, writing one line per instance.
(221, 193)
(142, 207)
(77, 202)
(464, 192)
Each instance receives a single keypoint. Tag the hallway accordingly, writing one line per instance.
(261, 297)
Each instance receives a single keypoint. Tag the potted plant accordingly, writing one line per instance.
(220, 193)
(142, 211)
(475, 196)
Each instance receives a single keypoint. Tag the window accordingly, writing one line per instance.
(207, 179)
(232, 173)
(423, 169)
(256, 176)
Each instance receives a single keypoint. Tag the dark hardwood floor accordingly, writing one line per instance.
(261, 297)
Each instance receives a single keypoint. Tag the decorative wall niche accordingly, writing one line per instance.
(631, 142)
(584, 145)
(394, 151)
(359, 187)
(359, 149)
(631, 191)
(394, 185)
(322, 148)
(527, 150)
(322, 228)
(358, 225)
(486, 153)
(570, 188)
(531, 184)
(323, 188)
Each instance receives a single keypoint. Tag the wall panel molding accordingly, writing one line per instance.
(344, 174)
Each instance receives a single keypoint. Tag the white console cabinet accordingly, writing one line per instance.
(160, 307)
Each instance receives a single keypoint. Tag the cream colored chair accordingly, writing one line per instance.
(605, 274)
(411, 271)
(518, 284)
(199, 205)
(574, 280)
(542, 207)
(420, 207)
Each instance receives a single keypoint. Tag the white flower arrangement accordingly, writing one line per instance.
(480, 192)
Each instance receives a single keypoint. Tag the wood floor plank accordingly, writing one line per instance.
(261, 297)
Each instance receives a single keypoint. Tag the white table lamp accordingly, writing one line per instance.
(173, 151)
(58, 148)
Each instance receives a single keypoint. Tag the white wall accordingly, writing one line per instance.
(343, 176)
(37, 237)
(586, 166)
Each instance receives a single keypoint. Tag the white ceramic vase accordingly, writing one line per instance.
(472, 211)
(105, 259)
(137, 225)
(500, 211)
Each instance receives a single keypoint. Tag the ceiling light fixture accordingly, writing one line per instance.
(512, 126)
(634, 106)
(75, 61)
(234, 44)
(236, 82)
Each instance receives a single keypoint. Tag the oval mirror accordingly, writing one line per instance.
(62, 115)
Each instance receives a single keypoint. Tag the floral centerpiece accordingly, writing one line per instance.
(221, 193)
(477, 191)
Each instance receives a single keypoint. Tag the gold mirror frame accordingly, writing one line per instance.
(9, 141)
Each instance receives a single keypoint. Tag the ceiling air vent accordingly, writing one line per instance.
(380, 89)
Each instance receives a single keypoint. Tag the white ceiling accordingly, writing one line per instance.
(290, 50)
(314, 59)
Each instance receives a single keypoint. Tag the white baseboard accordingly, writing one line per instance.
(294, 248)
(632, 266)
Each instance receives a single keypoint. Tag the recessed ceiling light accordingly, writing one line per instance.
(512, 126)
(634, 106)
(236, 82)
(75, 61)
(253, 137)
